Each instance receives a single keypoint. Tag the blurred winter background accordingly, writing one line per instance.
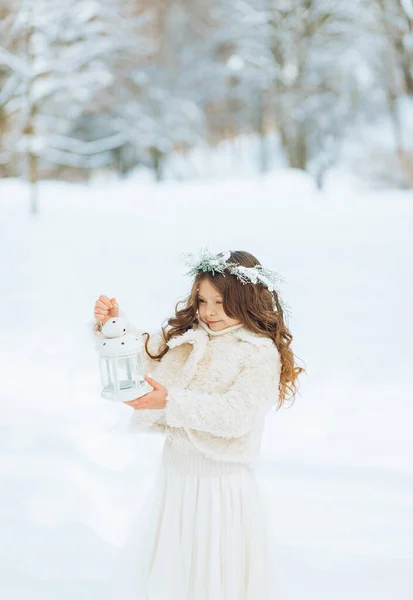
(132, 131)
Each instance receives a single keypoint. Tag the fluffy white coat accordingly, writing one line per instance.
(220, 387)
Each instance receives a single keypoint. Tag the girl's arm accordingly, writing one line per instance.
(232, 413)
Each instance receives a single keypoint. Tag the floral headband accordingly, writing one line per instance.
(217, 263)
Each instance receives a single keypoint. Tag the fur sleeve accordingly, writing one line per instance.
(232, 413)
(147, 420)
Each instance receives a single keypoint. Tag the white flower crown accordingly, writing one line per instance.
(217, 263)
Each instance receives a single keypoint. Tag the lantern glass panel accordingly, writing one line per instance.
(107, 371)
(127, 371)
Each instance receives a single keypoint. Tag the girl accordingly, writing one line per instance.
(217, 368)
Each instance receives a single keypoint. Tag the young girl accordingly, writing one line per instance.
(222, 362)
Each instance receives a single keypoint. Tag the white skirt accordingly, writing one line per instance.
(201, 534)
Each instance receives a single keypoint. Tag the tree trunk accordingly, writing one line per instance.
(301, 154)
(157, 162)
(33, 180)
(297, 150)
(30, 128)
(260, 128)
(408, 78)
(392, 101)
(31, 159)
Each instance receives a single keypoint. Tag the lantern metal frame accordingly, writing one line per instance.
(115, 362)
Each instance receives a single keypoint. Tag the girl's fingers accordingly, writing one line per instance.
(136, 405)
(103, 311)
(100, 309)
(141, 402)
(114, 311)
(101, 304)
(155, 384)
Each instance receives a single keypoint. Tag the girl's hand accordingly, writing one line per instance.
(105, 309)
(154, 399)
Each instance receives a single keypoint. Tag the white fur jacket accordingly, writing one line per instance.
(220, 387)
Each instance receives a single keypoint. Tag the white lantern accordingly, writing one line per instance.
(121, 362)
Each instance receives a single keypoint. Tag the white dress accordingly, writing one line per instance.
(201, 534)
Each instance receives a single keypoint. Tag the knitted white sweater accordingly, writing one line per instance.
(220, 386)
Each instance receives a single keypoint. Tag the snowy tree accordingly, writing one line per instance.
(114, 84)
(169, 119)
(395, 26)
(64, 56)
(244, 36)
(12, 72)
(314, 44)
(395, 18)
(390, 57)
(210, 75)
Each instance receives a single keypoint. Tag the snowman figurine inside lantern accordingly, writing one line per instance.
(121, 362)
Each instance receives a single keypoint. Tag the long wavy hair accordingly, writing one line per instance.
(257, 308)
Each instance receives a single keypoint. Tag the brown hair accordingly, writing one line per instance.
(257, 308)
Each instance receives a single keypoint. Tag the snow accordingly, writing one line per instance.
(336, 466)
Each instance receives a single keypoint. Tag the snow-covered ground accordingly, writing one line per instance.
(337, 467)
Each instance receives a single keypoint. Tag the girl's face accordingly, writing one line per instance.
(210, 308)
